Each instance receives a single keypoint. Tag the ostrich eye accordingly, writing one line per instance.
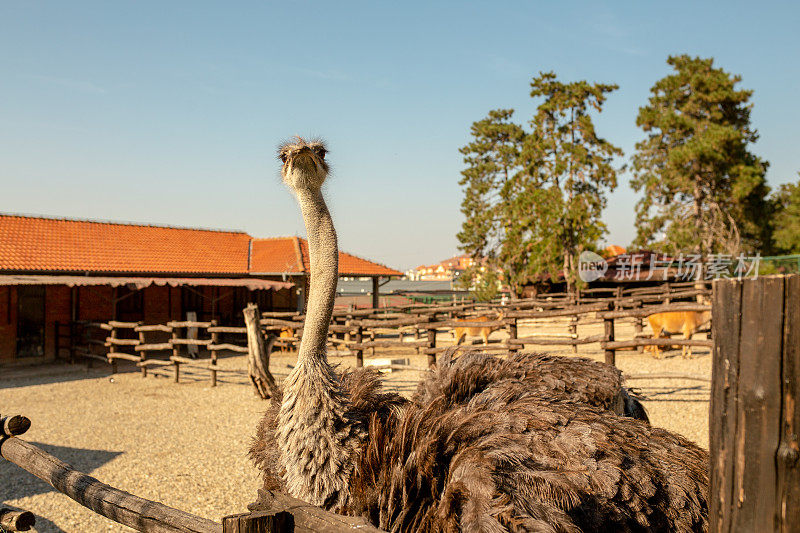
(321, 152)
(283, 157)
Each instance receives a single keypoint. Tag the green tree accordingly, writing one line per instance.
(533, 200)
(571, 169)
(492, 160)
(703, 190)
(482, 282)
(786, 222)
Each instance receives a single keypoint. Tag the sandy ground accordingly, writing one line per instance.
(185, 445)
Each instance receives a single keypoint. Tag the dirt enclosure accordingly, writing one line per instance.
(185, 445)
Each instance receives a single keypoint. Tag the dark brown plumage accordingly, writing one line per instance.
(492, 444)
(569, 378)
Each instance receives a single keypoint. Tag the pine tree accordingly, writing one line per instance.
(704, 191)
(571, 170)
(532, 201)
(492, 161)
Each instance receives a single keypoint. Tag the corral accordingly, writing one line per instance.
(184, 445)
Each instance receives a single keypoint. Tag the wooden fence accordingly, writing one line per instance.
(403, 330)
(754, 414)
(288, 515)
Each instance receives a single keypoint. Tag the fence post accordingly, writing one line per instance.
(360, 351)
(214, 342)
(608, 325)
(142, 353)
(755, 420)
(573, 330)
(112, 348)
(176, 353)
(638, 326)
(258, 523)
(513, 334)
(431, 346)
(16, 520)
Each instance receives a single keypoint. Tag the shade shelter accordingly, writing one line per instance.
(63, 271)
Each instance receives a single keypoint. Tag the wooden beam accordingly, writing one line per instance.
(15, 520)
(117, 505)
(305, 517)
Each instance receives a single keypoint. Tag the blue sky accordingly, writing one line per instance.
(170, 112)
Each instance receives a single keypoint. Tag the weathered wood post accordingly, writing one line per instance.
(214, 352)
(573, 331)
(360, 350)
(754, 417)
(376, 292)
(513, 333)
(431, 345)
(142, 353)
(111, 348)
(638, 325)
(176, 352)
(608, 326)
(16, 520)
(259, 522)
(258, 354)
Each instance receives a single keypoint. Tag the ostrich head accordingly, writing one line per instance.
(304, 165)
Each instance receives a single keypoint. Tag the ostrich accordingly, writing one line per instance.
(497, 455)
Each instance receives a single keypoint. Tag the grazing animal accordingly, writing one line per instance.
(464, 455)
(286, 333)
(460, 333)
(686, 322)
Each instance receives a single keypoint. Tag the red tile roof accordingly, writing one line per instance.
(31, 244)
(47, 244)
(290, 255)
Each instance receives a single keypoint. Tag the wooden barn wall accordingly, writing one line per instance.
(157, 305)
(56, 309)
(95, 303)
(8, 322)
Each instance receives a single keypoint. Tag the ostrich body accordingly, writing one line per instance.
(473, 451)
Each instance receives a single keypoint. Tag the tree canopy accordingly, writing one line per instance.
(533, 199)
(704, 191)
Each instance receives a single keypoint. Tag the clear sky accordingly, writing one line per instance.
(169, 112)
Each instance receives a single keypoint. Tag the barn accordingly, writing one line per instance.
(57, 272)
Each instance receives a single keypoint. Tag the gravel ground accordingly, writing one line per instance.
(185, 445)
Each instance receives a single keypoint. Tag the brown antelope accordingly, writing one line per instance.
(286, 333)
(686, 322)
(460, 333)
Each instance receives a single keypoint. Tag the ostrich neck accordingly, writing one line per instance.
(324, 252)
(318, 433)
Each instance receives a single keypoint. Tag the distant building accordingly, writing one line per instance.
(446, 270)
(61, 271)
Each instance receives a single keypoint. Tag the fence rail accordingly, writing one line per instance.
(413, 329)
(287, 514)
